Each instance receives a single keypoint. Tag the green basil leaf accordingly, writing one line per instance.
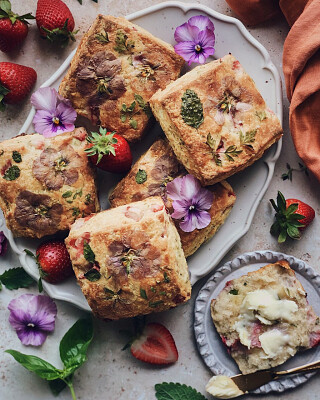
(93, 275)
(88, 253)
(191, 109)
(176, 391)
(74, 344)
(35, 364)
(141, 176)
(56, 386)
(12, 173)
(16, 156)
(16, 278)
(143, 294)
(234, 292)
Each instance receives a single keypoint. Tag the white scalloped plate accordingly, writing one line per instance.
(250, 186)
(210, 346)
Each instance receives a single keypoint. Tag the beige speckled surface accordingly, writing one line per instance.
(111, 373)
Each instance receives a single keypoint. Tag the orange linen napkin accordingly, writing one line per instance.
(301, 67)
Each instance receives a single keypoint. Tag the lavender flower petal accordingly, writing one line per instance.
(189, 222)
(201, 22)
(66, 114)
(186, 33)
(186, 50)
(3, 244)
(202, 220)
(190, 186)
(180, 209)
(44, 99)
(30, 337)
(32, 317)
(203, 199)
(42, 121)
(174, 189)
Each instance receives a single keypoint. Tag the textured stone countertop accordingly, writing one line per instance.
(109, 372)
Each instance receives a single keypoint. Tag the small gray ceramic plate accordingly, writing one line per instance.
(210, 346)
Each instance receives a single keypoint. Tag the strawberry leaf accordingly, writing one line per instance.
(293, 232)
(176, 391)
(283, 236)
(292, 208)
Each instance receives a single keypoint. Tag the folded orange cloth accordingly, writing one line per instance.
(301, 67)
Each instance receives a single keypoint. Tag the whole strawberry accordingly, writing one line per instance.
(55, 21)
(292, 217)
(16, 82)
(109, 151)
(13, 27)
(54, 261)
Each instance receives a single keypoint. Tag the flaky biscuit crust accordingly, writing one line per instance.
(161, 166)
(56, 183)
(237, 126)
(109, 69)
(138, 267)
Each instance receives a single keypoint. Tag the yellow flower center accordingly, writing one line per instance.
(56, 120)
(197, 48)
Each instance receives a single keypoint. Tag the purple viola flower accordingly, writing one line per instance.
(54, 113)
(3, 244)
(33, 317)
(190, 202)
(195, 39)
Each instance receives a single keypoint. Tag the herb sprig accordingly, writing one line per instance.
(73, 353)
(288, 174)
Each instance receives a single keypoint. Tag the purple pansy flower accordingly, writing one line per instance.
(190, 200)
(195, 39)
(54, 113)
(3, 244)
(33, 317)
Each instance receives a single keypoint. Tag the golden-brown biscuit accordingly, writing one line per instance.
(216, 120)
(149, 176)
(264, 317)
(117, 68)
(45, 184)
(129, 260)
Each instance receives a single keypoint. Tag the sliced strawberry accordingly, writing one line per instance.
(155, 345)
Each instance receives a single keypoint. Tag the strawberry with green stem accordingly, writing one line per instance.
(109, 151)
(13, 27)
(292, 216)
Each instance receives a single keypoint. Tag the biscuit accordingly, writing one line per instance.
(46, 183)
(117, 68)
(129, 260)
(216, 120)
(264, 317)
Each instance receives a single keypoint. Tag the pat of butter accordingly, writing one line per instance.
(272, 342)
(223, 387)
(269, 306)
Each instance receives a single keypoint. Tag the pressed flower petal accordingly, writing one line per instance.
(30, 337)
(186, 50)
(32, 317)
(190, 187)
(174, 189)
(186, 33)
(45, 99)
(202, 219)
(203, 199)
(202, 22)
